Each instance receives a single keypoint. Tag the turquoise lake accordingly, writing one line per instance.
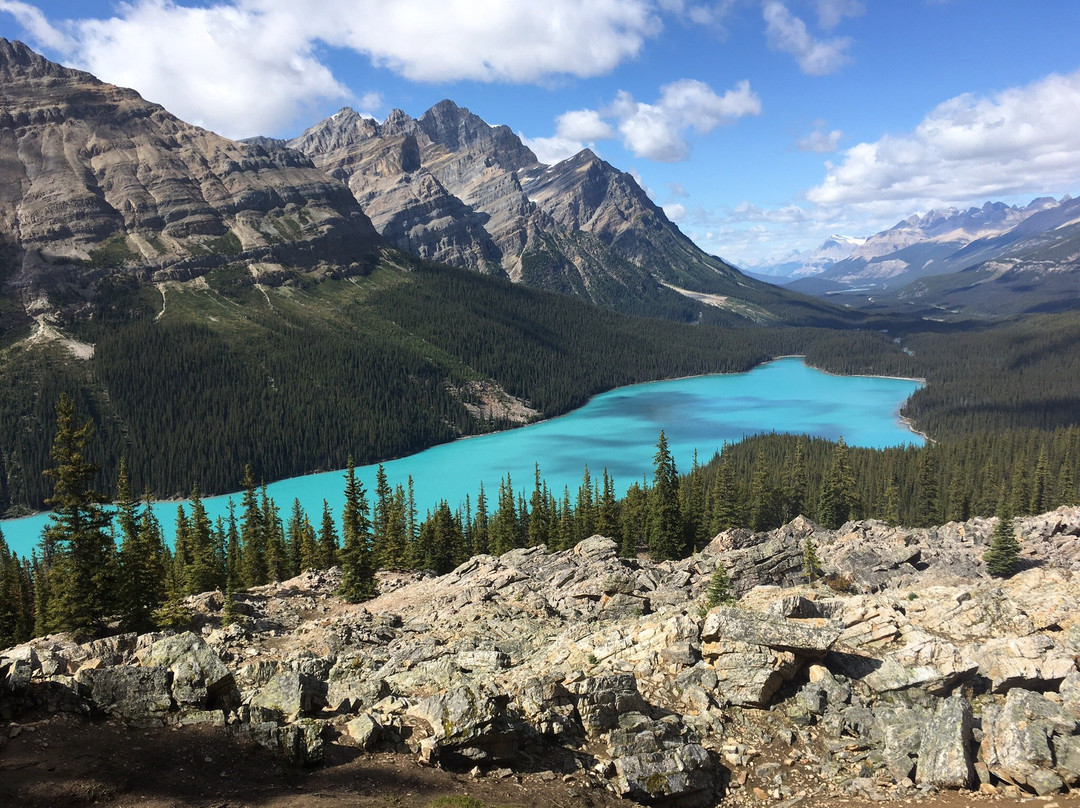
(617, 430)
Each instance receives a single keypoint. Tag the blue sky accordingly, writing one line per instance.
(762, 126)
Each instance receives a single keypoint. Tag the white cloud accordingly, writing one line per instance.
(574, 130)
(677, 190)
(787, 33)
(658, 131)
(820, 141)
(36, 24)
(551, 150)
(832, 12)
(583, 124)
(1025, 140)
(246, 67)
(675, 211)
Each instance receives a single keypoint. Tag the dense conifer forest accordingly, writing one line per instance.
(189, 383)
(177, 402)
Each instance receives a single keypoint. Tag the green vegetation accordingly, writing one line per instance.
(194, 380)
(113, 252)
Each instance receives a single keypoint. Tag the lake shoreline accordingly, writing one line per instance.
(700, 412)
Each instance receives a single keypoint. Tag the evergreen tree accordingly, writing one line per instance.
(665, 522)
(811, 563)
(607, 512)
(142, 568)
(77, 548)
(795, 483)
(328, 538)
(481, 538)
(252, 536)
(720, 591)
(357, 568)
(1003, 556)
(724, 498)
(635, 517)
(926, 489)
(838, 491)
(539, 518)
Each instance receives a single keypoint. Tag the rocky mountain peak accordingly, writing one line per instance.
(18, 60)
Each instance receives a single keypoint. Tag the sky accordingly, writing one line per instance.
(761, 126)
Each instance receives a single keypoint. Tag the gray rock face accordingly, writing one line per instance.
(141, 695)
(291, 693)
(87, 166)
(1031, 741)
(467, 727)
(451, 188)
(602, 699)
(945, 757)
(799, 637)
(200, 678)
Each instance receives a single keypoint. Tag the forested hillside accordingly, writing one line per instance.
(192, 380)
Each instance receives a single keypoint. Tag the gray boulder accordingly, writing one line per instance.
(467, 727)
(810, 638)
(1031, 741)
(290, 694)
(199, 677)
(945, 759)
(602, 699)
(748, 675)
(1035, 662)
(139, 695)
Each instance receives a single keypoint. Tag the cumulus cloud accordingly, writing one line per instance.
(675, 211)
(658, 130)
(268, 50)
(1022, 140)
(574, 130)
(787, 33)
(819, 140)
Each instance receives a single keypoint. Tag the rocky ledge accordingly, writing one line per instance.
(909, 671)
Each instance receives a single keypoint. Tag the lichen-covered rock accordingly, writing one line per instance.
(139, 695)
(945, 758)
(199, 678)
(291, 693)
(602, 699)
(1031, 741)
(1033, 662)
(467, 725)
(365, 731)
(803, 637)
(748, 675)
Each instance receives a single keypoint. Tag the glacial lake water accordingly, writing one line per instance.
(616, 430)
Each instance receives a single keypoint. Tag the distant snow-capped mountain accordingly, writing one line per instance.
(801, 263)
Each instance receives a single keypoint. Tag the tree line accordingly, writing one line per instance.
(103, 562)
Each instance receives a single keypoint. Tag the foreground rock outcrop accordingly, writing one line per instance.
(911, 671)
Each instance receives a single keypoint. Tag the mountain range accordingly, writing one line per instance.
(994, 259)
(210, 302)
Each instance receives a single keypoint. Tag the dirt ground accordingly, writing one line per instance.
(65, 761)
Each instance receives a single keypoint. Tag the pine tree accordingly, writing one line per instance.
(142, 566)
(77, 548)
(720, 591)
(328, 538)
(665, 522)
(635, 516)
(838, 490)
(607, 512)
(1003, 556)
(252, 536)
(811, 563)
(357, 568)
